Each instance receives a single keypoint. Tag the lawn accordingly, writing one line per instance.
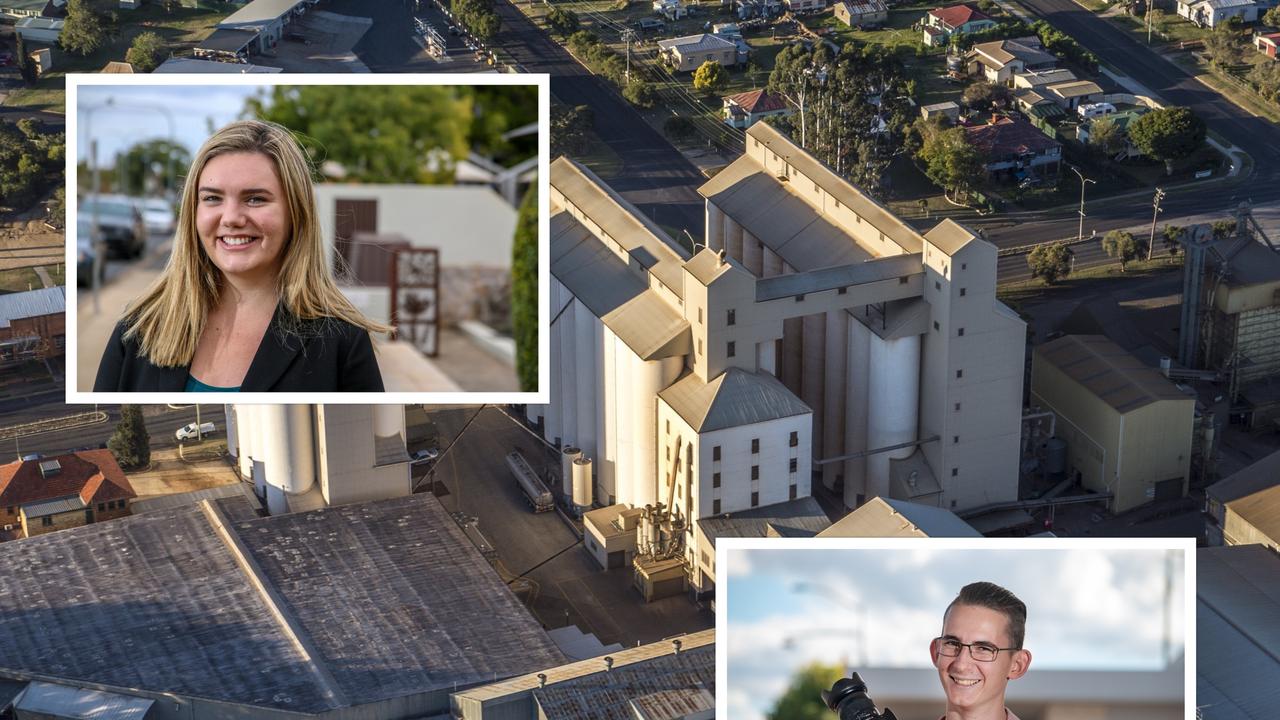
(24, 279)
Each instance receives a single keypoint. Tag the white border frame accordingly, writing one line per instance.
(724, 567)
(540, 80)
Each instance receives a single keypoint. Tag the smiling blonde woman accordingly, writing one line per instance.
(247, 302)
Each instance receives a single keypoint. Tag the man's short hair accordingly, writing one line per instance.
(993, 597)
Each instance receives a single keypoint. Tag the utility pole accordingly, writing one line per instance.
(628, 36)
(1083, 182)
(1154, 213)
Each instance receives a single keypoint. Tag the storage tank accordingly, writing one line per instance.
(892, 405)
(1055, 458)
(388, 421)
(290, 462)
(567, 456)
(233, 442)
(247, 433)
(582, 482)
(857, 387)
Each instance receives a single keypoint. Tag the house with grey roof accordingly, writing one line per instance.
(688, 53)
(264, 20)
(997, 61)
(1210, 13)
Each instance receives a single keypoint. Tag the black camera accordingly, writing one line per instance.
(848, 698)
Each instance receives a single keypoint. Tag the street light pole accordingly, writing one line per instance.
(1154, 213)
(1083, 182)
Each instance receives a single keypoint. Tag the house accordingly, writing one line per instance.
(18, 9)
(805, 7)
(46, 494)
(745, 109)
(1034, 80)
(857, 13)
(1122, 120)
(941, 23)
(32, 325)
(265, 19)
(1071, 94)
(748, 9)
(670, 9)
(688, 53)
(1013, 147)
(1208, 13)
(997, 61)
(39, 29)
(1266, 43)
(948, 109)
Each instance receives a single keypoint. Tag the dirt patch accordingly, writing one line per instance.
(30, 242)
(170, 474)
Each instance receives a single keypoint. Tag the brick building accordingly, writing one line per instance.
(33, 325)
(42, 495)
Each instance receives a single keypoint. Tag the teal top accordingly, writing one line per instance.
(194, 385)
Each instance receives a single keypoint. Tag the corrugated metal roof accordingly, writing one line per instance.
(882, 517)
(831, 278)
(608, 695)
(177, 500)
(1261, 509)
(260, 11)
(674, 704)
(733, 399)
(45, 301)
(9, 690)
(1261, 475)
(949, 236)
(1238, 638)
(796, 518)
(620, 220)
(612, 292)
(692, 43)
(706, 266)
(208, 67)
(229, 40)
(82, 704)
(55, 506)
(1111, 374)
(1076, 88)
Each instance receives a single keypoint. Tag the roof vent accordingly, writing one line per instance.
(49, 468)
(608, 663)
(542, 680)
(675, 646)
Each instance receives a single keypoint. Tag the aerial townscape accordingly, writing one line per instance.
(814, 269)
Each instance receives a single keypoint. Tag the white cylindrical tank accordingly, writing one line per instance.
(732, 238)
(582, 482)
(771, 265)
(554, 431)
(289, 448)
(650, 378)
(892, 406)
(246, 436)
(587, 355)
(233, 441)
(606, 427)
(855, 408)
(751, 253)
(715, 227)
(567, 456)
(568, 360)
(625, 435)
(388, 421)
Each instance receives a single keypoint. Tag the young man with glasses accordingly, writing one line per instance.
(980, 651)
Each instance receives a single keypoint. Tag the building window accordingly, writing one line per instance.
(732, 348)
(962, 292)
(755, 445)
(755, 472)
(964, 266)
(902, 281)
(755, 499)
(715, 480)
(699, 346)
(815, 187)
(795, 439)
(800, 297)
(47, 521)
(937, 285)
(732, 317)
(792, 466)
(955, 439)
(793, 492)
(10, 509)
(699, 316)
(715, 453)
(936, 326)
(715, 506)
(102, 506)
(955, 472)
(959, 374)
(960, 332)
(957, 407)
(668, 427)
(668, 452)
(842, 291)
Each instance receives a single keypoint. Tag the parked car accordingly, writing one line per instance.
(157, 215)
(188, 431)
(297, 37)
(424, 455)
(124, 232)
(1088, 111)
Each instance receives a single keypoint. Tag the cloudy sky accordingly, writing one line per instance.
(1088, 609)
(124, 116)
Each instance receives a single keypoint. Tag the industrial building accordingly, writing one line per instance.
(1128, 430)
(1244, 509)
(886, 517)
(1237, 603)
(674, 678)
(814, 329)
(368, 610)
(33, 325)
(285, 451)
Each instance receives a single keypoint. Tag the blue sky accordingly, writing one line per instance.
(134, 114)
(1088, 609)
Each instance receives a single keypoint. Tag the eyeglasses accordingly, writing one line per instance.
(982, 652)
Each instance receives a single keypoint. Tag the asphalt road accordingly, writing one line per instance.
(162, 421)
(1256, 136)
(655, 177)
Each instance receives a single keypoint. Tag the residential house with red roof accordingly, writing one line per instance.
(941, 23)
(41, 495)
(746, 109)
(1014, 148)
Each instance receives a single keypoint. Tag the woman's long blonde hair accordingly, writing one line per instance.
(170, 316)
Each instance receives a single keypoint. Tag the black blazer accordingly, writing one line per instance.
(324, 355)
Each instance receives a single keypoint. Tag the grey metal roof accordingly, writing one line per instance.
(208, 67)
(390, 596)
(34, 303)
(1114, 376)
(55, 506)
(706, 266)
(260, 11)
(797, 518)
(609, 695)
(1261, 475)
(831, 278)
(178, 500)
(9, 690)
(57, 701)
(1238, 639)
(949, 236)
(620, 220)
(733, 399)
(229, 40)
(692, 43)
(883, 517)
(612, 292)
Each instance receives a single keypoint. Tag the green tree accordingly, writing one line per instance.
(639, 93)
(710, 77)
(1106, 137)
(977, 94)
(58, 207)
(413, 135)
(145, 52)
(130, 443)
(564, 22)
(478, 17)
(1272, 17)
(26, 65)
(570, 129)
(524, 291)
(1050, 262)
(1172, 234)
(1168, 134)
(158, 160)
(678, 127)
(1123, 246)
(84, 30)
(1224, 228)
(950, 161)
(29, 162)
(1223, 44)
(1266, 78)
(802, 699)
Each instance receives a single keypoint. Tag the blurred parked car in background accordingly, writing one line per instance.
(124, 233)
